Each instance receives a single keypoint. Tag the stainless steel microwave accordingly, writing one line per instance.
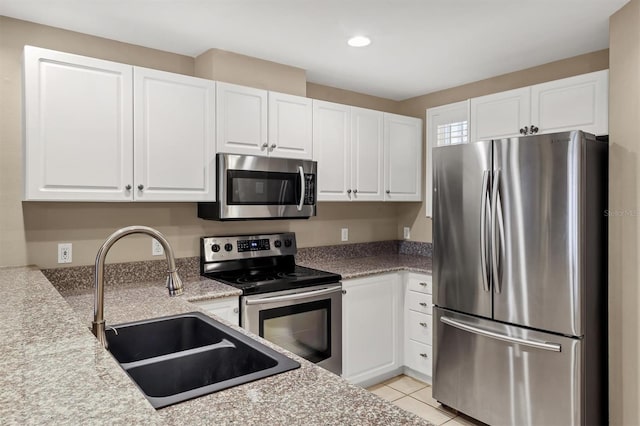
(252, 187)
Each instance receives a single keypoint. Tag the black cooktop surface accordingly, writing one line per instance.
(264, 280)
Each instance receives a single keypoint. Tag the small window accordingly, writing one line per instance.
(452, 133)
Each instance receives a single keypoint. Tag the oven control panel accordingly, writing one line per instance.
(214, 249)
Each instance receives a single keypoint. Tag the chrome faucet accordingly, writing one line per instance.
(174, 283)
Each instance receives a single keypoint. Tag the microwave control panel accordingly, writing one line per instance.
(309, 190)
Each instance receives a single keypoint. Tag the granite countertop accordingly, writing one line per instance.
(370, 265)
(54, 371)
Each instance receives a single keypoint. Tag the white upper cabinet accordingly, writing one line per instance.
(174, 137)
(332, 150)
(241, 119)
(78, 127)
(446, 125)
(367, 148)
(290, 126)
(402, 158)
(579, 102)
(573, 103)
(500, 115)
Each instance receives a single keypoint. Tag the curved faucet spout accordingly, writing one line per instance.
(174, 283)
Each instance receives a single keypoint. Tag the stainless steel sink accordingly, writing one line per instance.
(180, 357)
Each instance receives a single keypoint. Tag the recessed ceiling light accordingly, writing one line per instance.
(359, 41)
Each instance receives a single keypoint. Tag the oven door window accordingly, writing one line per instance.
(304, 329)
(247, 187)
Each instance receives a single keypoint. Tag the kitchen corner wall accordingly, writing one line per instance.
(30, 231)
(412, 214)
(624, 206)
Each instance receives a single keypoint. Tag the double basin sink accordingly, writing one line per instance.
(176, 358)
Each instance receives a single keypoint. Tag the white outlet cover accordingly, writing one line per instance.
(407, 232)
(65, 253)
(156, 248)
(345, 234)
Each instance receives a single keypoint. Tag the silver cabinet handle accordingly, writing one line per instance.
(355, 191)
(483, 230)
(423, 304)
(423, 284)
(265, 145)
(141, 187)
(424, 324)
(273, 146)
(348, 191)
(236, 310)
(388, 191)
(423, 355)
(344, 291)
(294, 296)
(553, 347)
(128, 187)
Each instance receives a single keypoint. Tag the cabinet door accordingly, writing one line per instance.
(227, 308)
(367, 149)
(371, 327)
(174, 137)
(402, 158)
(241, 119)
(290, 129)
(332, 150)
(78, 127)
(575, 103)
(500, 115)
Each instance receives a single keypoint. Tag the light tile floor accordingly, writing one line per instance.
(415, 396)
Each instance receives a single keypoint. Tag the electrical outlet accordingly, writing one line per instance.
(156, 248)
(64, 253)
(407, 232)
(345, 234)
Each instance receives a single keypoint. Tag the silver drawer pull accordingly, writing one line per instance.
(423, 304)
(423, 284)
(424, 324)
(423, 355)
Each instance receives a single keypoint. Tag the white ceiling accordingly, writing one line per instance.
(418, 46)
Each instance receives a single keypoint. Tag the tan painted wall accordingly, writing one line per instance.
(624, 231)
(221, 65)
(412, 214)
(331, 94)
(29, 232)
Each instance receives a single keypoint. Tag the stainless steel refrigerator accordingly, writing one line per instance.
(519, 268)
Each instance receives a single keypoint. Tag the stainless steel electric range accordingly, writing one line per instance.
(297, 308)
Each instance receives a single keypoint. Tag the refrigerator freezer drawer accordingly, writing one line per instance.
(507, 375)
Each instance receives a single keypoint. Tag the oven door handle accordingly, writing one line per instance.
(302, 188)
(294, 296)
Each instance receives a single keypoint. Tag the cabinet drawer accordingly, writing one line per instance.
(419, 283)
(418, 356)
(419, 302)
(419, 327)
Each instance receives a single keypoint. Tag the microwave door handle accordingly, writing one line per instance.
(302, 188)
(294, 296)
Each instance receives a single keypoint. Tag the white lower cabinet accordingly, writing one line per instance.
(418, 326)
(227, 308)
(371, 328)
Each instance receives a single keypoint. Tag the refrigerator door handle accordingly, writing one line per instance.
(483, 230)
(553, 347)
(497, 232)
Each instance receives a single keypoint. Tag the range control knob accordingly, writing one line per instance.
(277, 243)
(228, 247)
(215, 248)
(287, 243)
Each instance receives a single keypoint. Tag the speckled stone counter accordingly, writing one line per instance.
(370, 265)
(53, 371)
